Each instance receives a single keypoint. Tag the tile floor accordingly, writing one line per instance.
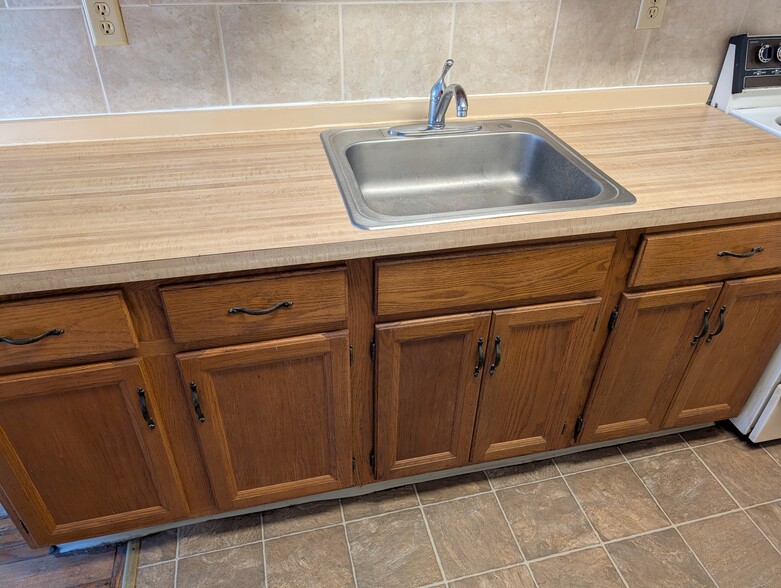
(698, 509)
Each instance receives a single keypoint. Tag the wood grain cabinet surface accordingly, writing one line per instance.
(78, 457)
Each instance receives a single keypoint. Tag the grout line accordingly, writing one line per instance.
(347, 540)
(552, 44)
(452, 30)
(697, 557)
(507, 520)
(593, 529)
(741, 508)
(430, 536)
(341, 50)
(95, 60)
(263, 539)
(224, 55)
(176, 556)
(642, 56)
(770, 454)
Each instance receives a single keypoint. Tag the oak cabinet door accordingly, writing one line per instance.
(536, 370)
(79, 457)
(728, 363)
(275, 417)
(428, 379)
(645, 359)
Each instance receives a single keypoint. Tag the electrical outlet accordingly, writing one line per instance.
(651, 13)
(106, 24)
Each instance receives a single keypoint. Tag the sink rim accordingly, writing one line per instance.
(337, 141)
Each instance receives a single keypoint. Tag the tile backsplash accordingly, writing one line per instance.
(215, 53)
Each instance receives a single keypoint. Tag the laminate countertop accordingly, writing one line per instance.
(103, 212)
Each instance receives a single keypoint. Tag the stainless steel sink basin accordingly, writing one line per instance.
(508, 167)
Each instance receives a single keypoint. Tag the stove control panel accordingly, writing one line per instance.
(757, 62)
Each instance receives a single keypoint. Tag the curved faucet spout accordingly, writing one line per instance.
(462, 105)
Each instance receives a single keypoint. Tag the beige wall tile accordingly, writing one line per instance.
(55, 78)
(42, 3)
(596, 45)
(173, 60)
(763, 17)
(503, 46)
(690, 45)
(286, 53)
(394, 50)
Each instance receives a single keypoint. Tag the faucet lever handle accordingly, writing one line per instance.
(446, 68)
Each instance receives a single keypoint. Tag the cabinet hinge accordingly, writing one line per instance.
(352, 355)
(613, 319)
(354, 468)
(371, 459)
(578, 425)
(373, 350)
(26, 530)
(596, 322)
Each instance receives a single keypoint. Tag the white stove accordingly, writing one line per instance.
(749, 88)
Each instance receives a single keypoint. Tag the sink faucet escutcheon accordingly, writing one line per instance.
(439, 100)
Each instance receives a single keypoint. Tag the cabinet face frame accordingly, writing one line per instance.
(465, 330)
(200, 367)
(20, 488)
(632, 342)
(752, 314)
(522, 332)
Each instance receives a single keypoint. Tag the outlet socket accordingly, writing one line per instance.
(105, 22)
(651, 14)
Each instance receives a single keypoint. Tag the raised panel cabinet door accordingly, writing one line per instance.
(428, 378)
(536, 367)
(83, 452)
(644, 360)
(273, 418)
(730, 361)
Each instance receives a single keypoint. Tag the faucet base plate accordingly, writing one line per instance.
(421, 130)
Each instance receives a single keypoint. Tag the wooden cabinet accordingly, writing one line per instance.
(428, 379)
(272, 418)
(746, 331)
(535, 371)
(80, 456)
(645, 359)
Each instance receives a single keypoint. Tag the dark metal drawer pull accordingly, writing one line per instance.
(144, 412)
(480, 357)
(196, 404)
(751, 253)
(720, 328)
(704, 330)
(276, 307)
(497, 355)
(52, 333)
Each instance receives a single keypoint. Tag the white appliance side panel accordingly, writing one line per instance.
(760, 396)
(768, 426)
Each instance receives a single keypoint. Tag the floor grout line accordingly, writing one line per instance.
(265, 560)
(347, 540)
(593, 529)
(770, 454)
(176, 555)
(430, 536)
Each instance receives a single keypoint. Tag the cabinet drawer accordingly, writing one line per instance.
(492, 279)
(707, 254)
(51, 330)
(257, 308)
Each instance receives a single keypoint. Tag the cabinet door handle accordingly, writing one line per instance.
(144, 411)
(52, 333)
(480, 357)
(720, 328)
(705, 324)
(497, 355)
(196, 404)
(262, 311)
(751, 253)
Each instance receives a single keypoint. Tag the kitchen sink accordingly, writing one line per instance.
(507, 167)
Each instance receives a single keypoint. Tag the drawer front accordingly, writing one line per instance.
(257, 308)
(51, 330)
(707, 254)
(492, 279)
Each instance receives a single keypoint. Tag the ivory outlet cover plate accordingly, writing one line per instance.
(651, 13)
(105, 22)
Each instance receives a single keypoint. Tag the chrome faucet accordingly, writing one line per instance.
(439, 100)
